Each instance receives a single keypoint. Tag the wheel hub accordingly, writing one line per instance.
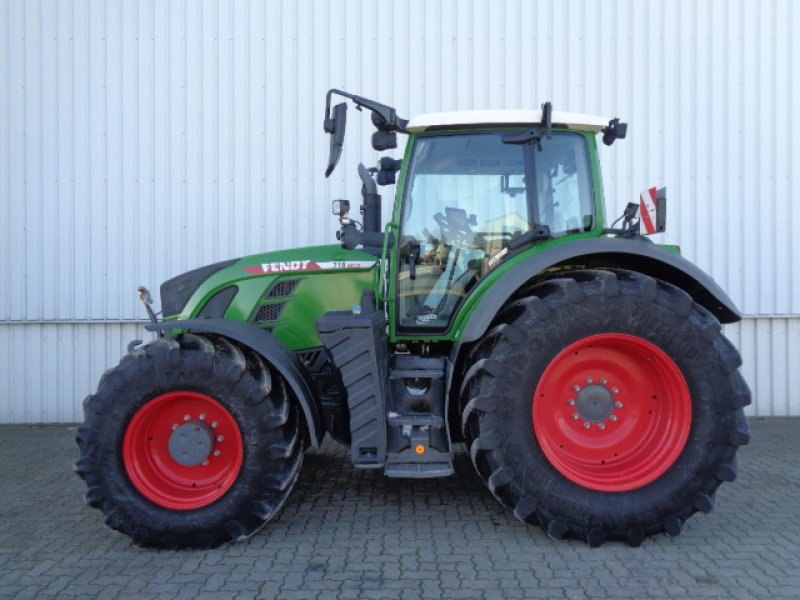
(594, 403)
(191, 443)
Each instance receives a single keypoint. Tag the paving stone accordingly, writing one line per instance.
(351, 534)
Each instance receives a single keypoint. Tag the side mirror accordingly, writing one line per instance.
(336, 126)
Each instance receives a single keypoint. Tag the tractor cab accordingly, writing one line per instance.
(474, 189)
(477, 190)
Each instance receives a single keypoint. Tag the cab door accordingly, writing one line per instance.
(466, 196)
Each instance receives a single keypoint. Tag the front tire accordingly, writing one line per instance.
(189, 442)
(606, 406)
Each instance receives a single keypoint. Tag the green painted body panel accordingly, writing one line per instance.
(319, 290)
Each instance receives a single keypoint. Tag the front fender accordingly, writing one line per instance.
(610, 253)
(273, 351)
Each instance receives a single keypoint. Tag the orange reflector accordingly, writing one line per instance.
(420, 449)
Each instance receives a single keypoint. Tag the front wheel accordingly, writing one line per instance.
(189, 442)
(605, 405)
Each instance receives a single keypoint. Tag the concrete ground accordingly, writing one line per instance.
(351, 534)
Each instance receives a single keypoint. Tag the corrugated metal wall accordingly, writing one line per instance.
(141, 139)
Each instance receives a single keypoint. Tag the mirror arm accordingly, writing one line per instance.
(387, 113)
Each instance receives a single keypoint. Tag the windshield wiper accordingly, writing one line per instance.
(526, 137)
(534, 134)
(537, 234)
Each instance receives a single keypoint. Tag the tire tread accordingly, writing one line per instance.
(201, 359)
(486, 383)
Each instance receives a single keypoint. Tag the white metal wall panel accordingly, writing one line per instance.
(142, 139)
(46, 370)
(771, 357)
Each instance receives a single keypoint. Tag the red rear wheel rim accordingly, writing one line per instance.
(612, 412)
(157, 475)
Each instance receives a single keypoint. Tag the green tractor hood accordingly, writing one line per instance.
(284, 291)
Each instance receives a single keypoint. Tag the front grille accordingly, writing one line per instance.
(269, 313)
(283, 288)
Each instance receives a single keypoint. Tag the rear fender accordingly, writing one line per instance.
(273, 351)
(632, 255)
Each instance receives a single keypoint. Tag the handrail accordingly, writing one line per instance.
(381, 291)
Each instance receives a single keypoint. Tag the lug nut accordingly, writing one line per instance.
(587, 425)
(214, 425)
(601, 426)
(615, 390)
(577, 388)
(589, 380)
(571, 402)
(174, 426)
(604, 381)
(205, 463)
(186, 417)
(202, 416)
(613, 418)
(216, 452)
(575, 416)
(618, 404)
(220, 438)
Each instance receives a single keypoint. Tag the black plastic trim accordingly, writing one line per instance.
(176, 292)
(614, 253)
(440, 128)
(358, 346)
(219, 303)
(273, 351)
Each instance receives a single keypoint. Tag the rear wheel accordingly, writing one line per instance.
(189, 442)
(605, 405)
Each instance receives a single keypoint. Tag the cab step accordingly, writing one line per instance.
(396, 403)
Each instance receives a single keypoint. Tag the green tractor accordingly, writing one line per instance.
(583, 366)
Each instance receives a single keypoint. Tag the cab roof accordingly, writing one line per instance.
(495, 118)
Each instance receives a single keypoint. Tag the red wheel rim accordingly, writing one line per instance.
(612, 412)
(156, 473)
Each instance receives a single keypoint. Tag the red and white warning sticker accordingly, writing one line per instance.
(648, 201)
(307, 265)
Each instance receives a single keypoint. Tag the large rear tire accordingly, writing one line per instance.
(605, 405)
(189, 442)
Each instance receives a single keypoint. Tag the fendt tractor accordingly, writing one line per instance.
(582, 365)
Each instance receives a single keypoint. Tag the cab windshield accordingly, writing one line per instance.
(466, 197)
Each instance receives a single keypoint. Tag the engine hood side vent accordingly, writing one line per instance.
(269, 313)
(282, 288)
